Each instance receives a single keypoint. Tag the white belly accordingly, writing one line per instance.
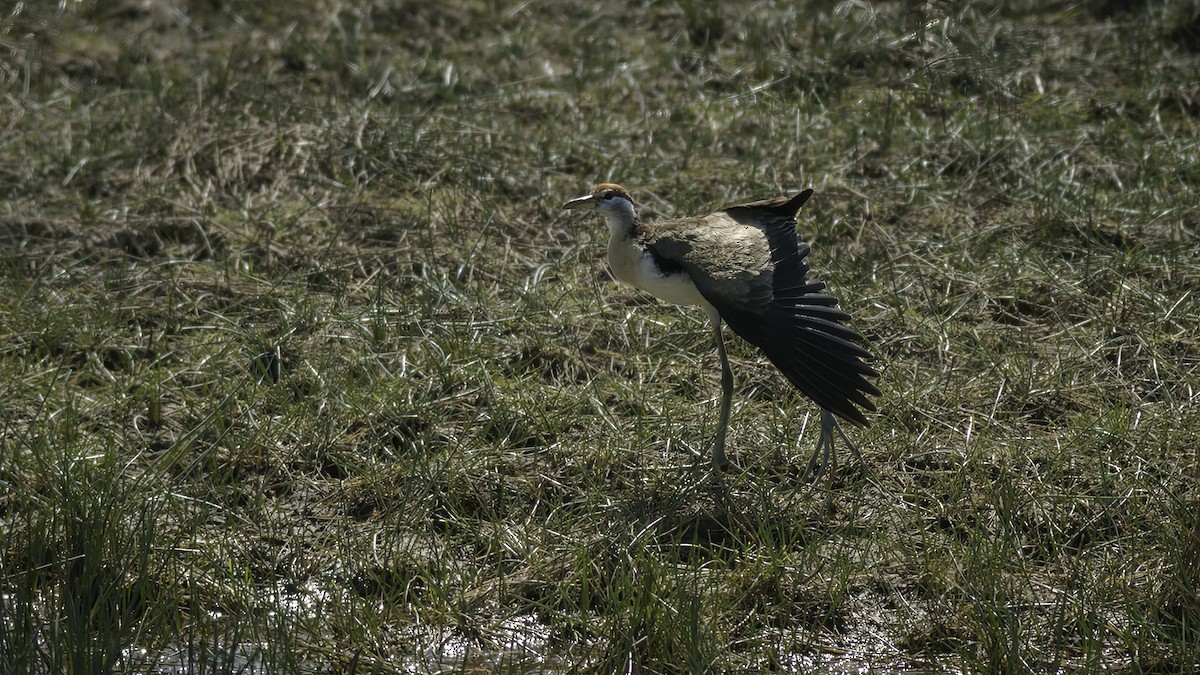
(677, 288)
(641, 271)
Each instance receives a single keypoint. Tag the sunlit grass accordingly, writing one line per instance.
(304, 370)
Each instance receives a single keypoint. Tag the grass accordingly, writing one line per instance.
(303, 370)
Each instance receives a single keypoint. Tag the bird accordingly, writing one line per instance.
(744, 265)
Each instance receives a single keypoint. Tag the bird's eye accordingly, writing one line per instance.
(607, 196)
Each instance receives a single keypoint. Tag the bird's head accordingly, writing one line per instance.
(608, 198)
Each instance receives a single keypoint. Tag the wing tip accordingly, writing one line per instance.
(793, 205)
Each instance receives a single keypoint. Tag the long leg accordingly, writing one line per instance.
(720, 461)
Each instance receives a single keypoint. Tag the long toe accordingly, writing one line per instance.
(824, 450)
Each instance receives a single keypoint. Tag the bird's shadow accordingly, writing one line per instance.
(700, 515)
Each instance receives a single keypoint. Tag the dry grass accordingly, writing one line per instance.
(303, 370)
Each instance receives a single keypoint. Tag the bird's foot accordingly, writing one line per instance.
(825, 449)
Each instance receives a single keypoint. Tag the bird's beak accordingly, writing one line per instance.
(583, 202)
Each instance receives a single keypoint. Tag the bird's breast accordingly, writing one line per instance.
(635, 265)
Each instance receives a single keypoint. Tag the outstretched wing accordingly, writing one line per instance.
(747, 261)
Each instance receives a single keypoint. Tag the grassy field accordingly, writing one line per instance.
(302, 369)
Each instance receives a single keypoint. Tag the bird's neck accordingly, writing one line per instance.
(622, 225)
(625, 251)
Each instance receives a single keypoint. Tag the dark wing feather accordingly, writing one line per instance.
(777, 308)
